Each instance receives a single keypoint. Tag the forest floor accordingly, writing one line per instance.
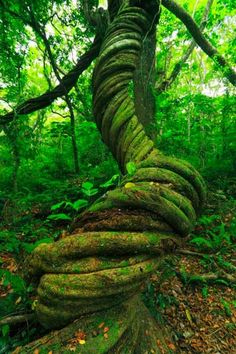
(193, 292)
(200, 304)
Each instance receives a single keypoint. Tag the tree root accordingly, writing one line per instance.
(127, 328)
(12, 320)
(206, 277)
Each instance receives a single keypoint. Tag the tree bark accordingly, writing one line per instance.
(144, 83)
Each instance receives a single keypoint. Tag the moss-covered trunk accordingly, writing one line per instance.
(96, 274)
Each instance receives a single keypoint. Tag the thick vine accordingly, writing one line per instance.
(120, 240)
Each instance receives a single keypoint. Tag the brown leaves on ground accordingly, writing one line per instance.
(8, 263)
(78, 339)
(200, 322)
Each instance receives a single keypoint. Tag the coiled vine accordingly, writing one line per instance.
(98, 271)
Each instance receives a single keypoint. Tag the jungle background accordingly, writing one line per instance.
(54, 163)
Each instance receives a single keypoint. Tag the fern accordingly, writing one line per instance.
(202, 242)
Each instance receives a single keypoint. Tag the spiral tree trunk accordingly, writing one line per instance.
(95, 275)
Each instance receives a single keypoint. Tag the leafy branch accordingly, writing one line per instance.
(163, 86)
(67, 83)
(201, 40)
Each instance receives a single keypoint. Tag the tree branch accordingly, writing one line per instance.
(12, 320)
(178, 66)
(206, 277)
(200, 39)
(67, 83)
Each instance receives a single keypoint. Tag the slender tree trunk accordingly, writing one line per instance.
(73, 135)
(16, 155)
(12, 137)
(41, 32)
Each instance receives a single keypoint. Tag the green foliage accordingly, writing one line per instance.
(227, 307)
(60, 216)
(131, 168)
(113, 181)
(69, 209)
(215, 238)
(88, 189)
(18, 297)
(153, 297)
(205, 291)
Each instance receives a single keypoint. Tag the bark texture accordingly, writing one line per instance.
(96, 274)
(144, 84)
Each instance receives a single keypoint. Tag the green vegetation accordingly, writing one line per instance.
(54, 163)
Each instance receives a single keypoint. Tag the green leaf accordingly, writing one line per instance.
(200, 241)
(87, 186)
(110, 182)
(131, 168)
(5, 330)
(221, 281)
(61, 216)
(16, 282)
(227, 308)
(79, 204)
(57, 206)
(88, 190)
(205, 291)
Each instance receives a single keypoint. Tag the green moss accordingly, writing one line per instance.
(124, 271)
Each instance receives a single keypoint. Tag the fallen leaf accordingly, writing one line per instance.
(80, 335)
(105, 335)
(188, 315)
(18, 300)
(129, 185)
(72, 349)
(34, 304)
(36, 351)
(95, 333)
(82, 341)
(12, 267)
(106, 329)
(101, 325)
(171, 346)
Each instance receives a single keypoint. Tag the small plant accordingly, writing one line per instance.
(9, 242)
(88, 189)
(16, 294)
(205, 291)
(227, 307)
(113, 181)
(217, 239)
(66, 210)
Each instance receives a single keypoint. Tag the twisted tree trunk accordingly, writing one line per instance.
(96, 274)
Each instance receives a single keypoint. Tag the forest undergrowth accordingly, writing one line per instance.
(200, 304)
